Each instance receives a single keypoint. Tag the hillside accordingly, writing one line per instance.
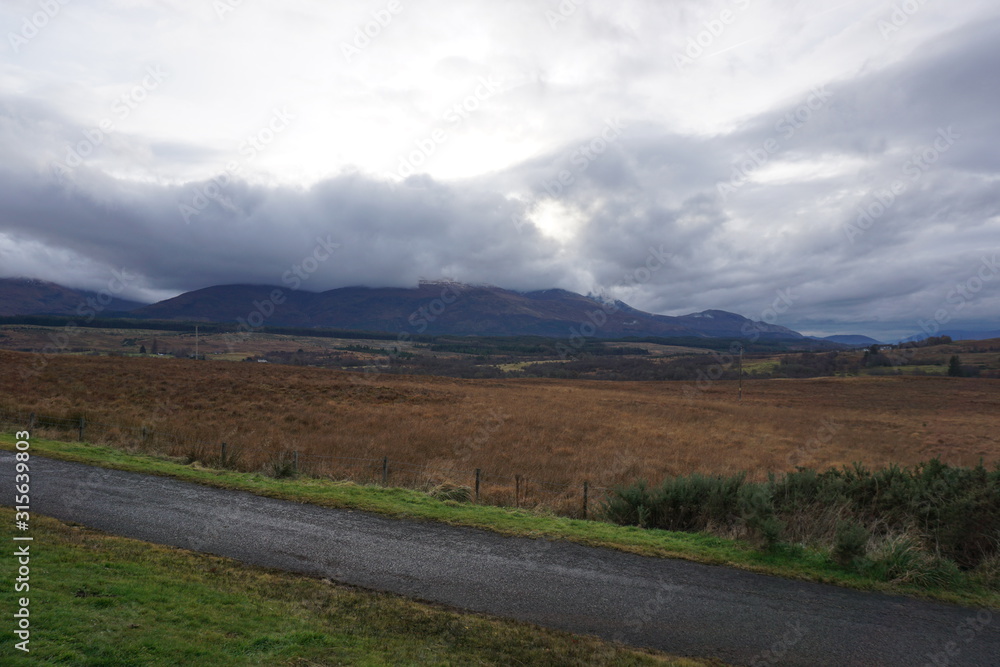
(23, 296)
(853, 341)
(450, 308)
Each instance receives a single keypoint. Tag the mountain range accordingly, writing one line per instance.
(449, 308)
(433, 307)
(24, 296)
(853, 341)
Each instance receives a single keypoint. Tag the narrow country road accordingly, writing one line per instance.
(675, 606)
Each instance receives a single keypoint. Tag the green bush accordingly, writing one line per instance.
(850, 543)
(680, 503)
(757, 511)
(949, 513)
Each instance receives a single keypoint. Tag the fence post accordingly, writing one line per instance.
(385, 471)
(31, 422)
(586, 488)
(295, 462)
(477, 484)
(83, 425)
(223, 455)
(517, 490)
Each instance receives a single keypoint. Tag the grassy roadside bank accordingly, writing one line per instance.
(791, 562)
(96, 599)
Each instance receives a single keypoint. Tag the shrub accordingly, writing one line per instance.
(950, 512)
(281, 468)
(623, 504)
(757, 513)
(689, 503)
(850, 543)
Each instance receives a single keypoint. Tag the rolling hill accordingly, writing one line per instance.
(432, 308)
(853, 341)
(24, 296)
(449, 308)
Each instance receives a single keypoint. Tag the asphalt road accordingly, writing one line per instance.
(675, 606)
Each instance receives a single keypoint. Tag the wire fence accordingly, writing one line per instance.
(477, 485)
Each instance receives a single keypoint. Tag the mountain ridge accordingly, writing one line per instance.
(447, 307)
(852, 340)
(28, 296)
(432, 307)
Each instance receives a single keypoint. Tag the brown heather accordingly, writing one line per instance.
(563, 432)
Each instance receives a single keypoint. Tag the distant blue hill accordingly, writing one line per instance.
(853, 341)
(957, 334)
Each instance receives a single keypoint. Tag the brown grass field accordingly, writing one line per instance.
(562, 432)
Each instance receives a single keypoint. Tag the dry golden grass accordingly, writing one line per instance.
(558, 431)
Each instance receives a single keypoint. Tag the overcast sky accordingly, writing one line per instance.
(734, 146)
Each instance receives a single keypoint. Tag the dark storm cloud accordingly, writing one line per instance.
(738, 228)
(388, 235)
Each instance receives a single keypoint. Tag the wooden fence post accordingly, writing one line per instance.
(295, 462)
(517, 490)
(83, 425)
(477, 484)
(223, 455)
(385, 471)
(586, 488)
(31, 422)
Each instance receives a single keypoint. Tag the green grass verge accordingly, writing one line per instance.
(786, 561)
(96, 599)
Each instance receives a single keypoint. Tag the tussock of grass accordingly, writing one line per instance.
(103, 600)
(793, 561)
